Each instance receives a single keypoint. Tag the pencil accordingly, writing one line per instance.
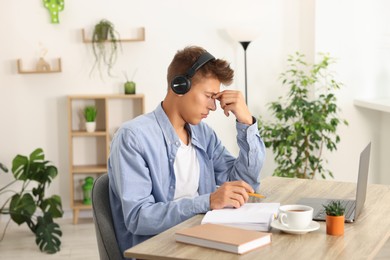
(257, 195)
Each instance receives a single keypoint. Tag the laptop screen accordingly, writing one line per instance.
(362, 179)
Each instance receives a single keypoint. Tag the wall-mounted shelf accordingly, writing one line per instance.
(57, 69)
(140, 37)
(379, 104)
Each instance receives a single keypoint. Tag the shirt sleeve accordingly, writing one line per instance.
(248, 164)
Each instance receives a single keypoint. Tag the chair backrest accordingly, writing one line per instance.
(104, 226)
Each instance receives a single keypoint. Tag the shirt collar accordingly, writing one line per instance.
(165, 125)
(168, 130)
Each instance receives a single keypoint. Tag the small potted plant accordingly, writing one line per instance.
(105, 54)
(87, 190)
(334, 218)
(129, 85)
(90, 113)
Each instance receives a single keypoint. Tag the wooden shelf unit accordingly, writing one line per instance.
(22, 71)
(140, 37)
(88, 152)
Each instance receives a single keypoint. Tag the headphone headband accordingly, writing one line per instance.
(202, 60)
(182, 84)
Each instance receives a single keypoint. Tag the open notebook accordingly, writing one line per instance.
(252, 216)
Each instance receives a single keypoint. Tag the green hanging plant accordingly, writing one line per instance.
(23, 205)
(305, 120)
(105, 43)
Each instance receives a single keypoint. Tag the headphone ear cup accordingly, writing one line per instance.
(181, 85)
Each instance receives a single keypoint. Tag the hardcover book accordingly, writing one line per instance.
(226, 238)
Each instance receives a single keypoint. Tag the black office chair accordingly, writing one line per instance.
(104, 227)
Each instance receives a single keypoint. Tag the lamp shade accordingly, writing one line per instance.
(243, 34)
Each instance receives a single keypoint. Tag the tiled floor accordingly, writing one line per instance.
(78, 242)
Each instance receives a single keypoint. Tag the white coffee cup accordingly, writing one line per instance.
(295, 216)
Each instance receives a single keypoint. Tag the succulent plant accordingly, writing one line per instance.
(334, 208)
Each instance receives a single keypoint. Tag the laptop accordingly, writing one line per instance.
(352, 207)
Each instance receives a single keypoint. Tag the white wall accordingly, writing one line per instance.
(33, 107)
(357, 33)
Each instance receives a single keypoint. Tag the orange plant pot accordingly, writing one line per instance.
(335, 225)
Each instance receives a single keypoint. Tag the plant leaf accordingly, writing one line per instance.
(37, 155)
(22, 208)
(53, 205)
(20, 167)
(47, 235)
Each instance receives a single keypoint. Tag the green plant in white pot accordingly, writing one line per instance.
(306, 119)
(90, 113)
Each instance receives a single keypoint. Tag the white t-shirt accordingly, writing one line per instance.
(187, 172)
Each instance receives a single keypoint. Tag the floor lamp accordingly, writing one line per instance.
(245, 45)
(244, 36)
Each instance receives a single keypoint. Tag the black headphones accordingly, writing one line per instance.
(181, 84)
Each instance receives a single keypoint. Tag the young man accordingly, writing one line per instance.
(165, 166)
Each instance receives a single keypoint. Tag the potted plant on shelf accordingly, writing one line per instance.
(306, 119)
(87, 190)
(334, 218)
(129, 85)
(34, 174)
(105, 43)
(90, 113)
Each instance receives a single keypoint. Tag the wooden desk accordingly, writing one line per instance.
(362, 239)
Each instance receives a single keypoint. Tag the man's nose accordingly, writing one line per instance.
(212, 106)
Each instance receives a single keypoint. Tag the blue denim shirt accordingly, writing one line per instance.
(142, 177)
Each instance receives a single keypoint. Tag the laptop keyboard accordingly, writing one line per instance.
(349, 206)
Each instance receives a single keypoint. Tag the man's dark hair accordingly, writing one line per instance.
(184, 59)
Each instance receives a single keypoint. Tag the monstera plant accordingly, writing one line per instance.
(30, 205)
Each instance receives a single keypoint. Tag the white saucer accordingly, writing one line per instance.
(312, 227)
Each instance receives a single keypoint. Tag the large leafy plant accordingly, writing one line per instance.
(31, 206)
(305, 120)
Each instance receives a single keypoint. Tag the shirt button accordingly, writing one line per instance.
(171, 187)
(177, 143)
(171, 160)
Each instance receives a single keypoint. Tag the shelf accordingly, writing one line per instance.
(379, 104)
(85, 133)
(22, 71)
(109, 96)
(140, 37)
(78, 204)
(89, 169)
